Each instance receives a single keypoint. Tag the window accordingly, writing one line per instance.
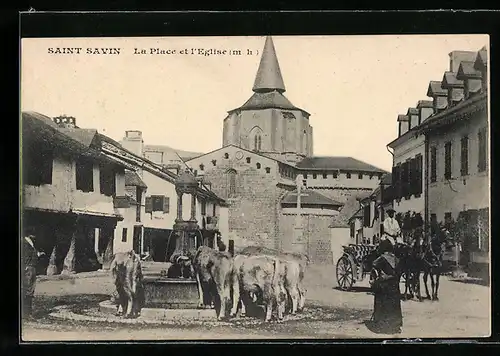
(268, 170)
(157, 203)
(325, 176)
(305, 176)
(315, 176)
(360, 176)
(348, 175)
(85, 176)
(226, 155)
(335, 175)
(482, 159)
(418, 176)
(232, 182)
(447, 220)
(124, 234)
(202, 167)
(404, 179)
(433, 164)
(203, 207)
(214, 162)
(107, 180)
(258, 165)
(464, 156)
(248, 160)
(447, 160)
(371, 176)
(213, 209)
(366, 216)
(139, 200)
(257, 144)
(37, 165)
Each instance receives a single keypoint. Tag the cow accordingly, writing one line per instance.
(261, 279)
(290, 274)
(215, 275)
(295, 278)
(127, 276)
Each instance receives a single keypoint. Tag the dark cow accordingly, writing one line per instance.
(215, 274)
(127, 276)
(261, 278)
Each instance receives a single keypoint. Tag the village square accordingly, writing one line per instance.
(317, 226)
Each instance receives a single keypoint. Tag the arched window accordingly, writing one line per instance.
(248, 160)
(268, 170)
(202, 167)
(255, 135)
(258, 165)
(226, 155)
(231, 182)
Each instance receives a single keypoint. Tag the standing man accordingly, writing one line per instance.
(29, 261)
(392, 231)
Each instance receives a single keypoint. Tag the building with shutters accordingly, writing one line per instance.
(457, 141)
(72, 193)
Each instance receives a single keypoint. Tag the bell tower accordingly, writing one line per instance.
(268, 122)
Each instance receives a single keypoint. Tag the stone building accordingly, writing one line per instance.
(267, 148)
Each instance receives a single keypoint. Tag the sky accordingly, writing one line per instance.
(354, 87)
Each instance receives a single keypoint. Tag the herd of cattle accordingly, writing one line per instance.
(234, 285)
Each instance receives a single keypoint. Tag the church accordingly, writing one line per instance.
(267, 149)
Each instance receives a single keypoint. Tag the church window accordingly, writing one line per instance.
(248, 159)
(258, 165)
(214, 162)
(325, 175)
(226, 155)
(348, 175)
(268, 170)
(231, 173)
(360, 176)
(335, 175)
(202, 167)
(288, 115)
(259, 141)
(314, 176)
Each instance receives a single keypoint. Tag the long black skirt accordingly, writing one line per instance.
(387, 317)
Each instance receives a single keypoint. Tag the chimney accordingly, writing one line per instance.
(425, 109)
(458, 56)
(439, 96)
(403, 124)
(454, 86)
(471, 77)
(67, 122)
(412, 115)
(133, 142)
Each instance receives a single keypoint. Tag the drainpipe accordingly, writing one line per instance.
(388, 150)
(426, 192)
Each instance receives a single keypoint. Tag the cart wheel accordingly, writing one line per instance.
(345, 275)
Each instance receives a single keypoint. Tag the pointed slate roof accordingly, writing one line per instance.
(269, 76)
(424, 104)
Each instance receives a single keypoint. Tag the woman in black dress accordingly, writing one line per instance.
(387, 317)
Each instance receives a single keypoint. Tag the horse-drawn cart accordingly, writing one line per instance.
(355, 262)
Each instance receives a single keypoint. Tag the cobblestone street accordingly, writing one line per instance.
(462, 311)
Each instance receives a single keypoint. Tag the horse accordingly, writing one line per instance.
(433, 261)
(409, 266)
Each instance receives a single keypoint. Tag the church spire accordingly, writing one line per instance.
(268, 76)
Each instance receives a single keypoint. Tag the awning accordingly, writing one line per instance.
(97, 214)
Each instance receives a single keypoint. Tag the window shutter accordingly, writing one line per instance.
(366, 216)
(418, 180)
(166, 204)
(149, 205)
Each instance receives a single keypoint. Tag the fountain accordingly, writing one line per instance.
(170, 288)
